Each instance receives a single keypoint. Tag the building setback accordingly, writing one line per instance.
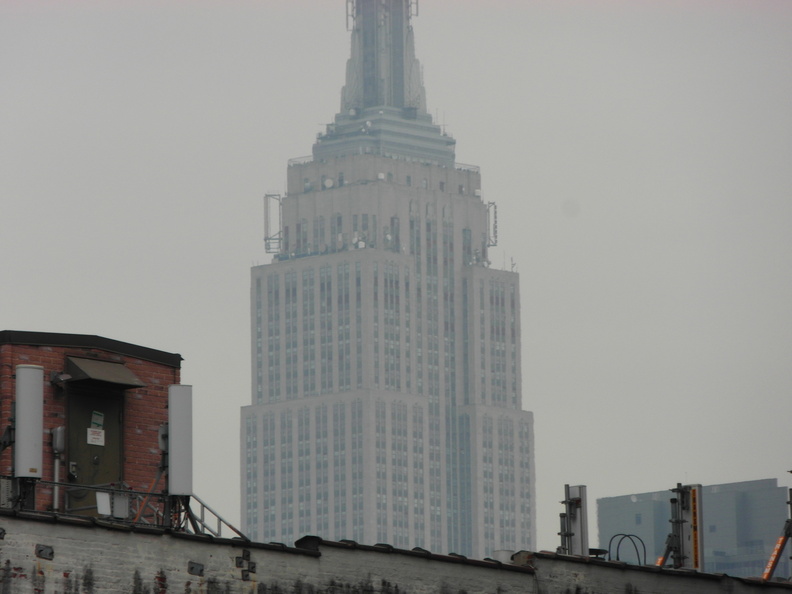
(386, 351)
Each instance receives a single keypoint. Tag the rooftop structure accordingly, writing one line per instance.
(97, 427)
(99, 403)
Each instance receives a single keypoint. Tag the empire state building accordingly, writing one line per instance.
(386, 403)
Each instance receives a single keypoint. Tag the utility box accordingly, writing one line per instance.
(29, 415)
(180, 463)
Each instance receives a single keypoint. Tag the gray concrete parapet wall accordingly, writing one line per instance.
(46, 553)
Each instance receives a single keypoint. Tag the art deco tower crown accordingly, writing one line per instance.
(383, 103)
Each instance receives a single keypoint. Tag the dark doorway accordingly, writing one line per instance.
(95, 434)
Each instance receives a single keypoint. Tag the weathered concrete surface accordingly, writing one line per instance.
(42, 554)
(88, 558)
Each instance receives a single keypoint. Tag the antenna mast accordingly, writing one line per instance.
(350, 14)
(273, 219)
(492, 224)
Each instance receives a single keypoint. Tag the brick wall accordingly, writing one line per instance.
(145, 409)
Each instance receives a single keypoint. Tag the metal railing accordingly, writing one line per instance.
(205, 521)
(120, 503)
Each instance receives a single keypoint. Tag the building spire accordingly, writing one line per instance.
(383, 102)
(382, 70)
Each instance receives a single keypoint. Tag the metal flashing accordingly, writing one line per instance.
(81, 369)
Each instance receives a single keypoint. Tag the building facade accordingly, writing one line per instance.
(740, 525)
(386, 351)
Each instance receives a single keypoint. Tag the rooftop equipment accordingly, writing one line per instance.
(685, 544)
(574, 522)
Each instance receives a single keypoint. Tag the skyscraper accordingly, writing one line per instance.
(386, 351)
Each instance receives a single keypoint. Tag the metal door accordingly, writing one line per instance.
(95, 431)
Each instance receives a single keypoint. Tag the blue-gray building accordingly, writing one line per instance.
(741, 523)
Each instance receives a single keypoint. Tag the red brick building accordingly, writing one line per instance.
(109, 397)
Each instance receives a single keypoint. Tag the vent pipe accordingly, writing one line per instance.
(29, 433)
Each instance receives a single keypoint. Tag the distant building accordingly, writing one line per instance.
(386, 352)
(741, 523)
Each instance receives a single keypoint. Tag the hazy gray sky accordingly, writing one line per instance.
(640, 153)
